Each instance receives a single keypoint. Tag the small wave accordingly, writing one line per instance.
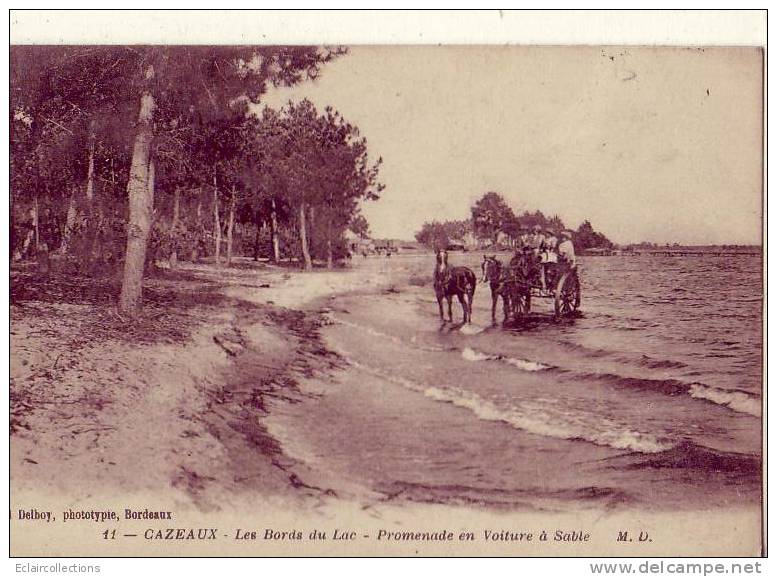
(541, 421)
(660, 364)
(381, 335)
(688, 455)
(430, 348)
(735, 400)
(469, 354)
(471, 329)
(534, 418)
(525, 365)
(537, 498)
(670, 387)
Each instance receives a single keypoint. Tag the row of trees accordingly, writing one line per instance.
(123, 154)
(436, 234)
(493, 219)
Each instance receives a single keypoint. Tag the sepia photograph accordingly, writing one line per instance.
(382, 299)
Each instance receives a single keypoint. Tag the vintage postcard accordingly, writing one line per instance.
(274, 298)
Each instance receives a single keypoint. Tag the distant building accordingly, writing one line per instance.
(384, 245)
(470, 241)
(358, 245)
(456, 245)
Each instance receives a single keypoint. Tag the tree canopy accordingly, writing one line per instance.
(492, 217)
(123, 155)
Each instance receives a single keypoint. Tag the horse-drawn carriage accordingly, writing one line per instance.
(517, 283)
(522, 280)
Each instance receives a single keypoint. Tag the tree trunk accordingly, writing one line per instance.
(35, 131)
(90, 170)
(43, 260)
(276, 245)
(70, 223)
(230, 226)
(200, 227)
(176, 208)
(216, 221)
(91, 222)
(140, 202)
(313, 240)
(329, 256)
(32, 233)
(173, 259)
(303, 237)
(27, 243)
(36, 223)
(256, 236)
(153, 245)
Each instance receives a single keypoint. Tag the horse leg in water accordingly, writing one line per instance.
(463, 301)
(494, 299)
(471, 294)
(506, 304)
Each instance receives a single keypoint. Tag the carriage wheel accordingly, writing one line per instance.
(567, 294)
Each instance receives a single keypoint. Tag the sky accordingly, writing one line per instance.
(649, 144)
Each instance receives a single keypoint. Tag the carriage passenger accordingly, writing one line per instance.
(548, 255)
(536, 239)
(566, 249)
(524, 237)
(549, 245)
(521, 244)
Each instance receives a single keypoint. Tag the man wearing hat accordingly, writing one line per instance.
(524, 234)
(548, 255)
(566, 249)
(521, 245)
(549, 244)
(536, 239)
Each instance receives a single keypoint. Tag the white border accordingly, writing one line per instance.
(448, 27)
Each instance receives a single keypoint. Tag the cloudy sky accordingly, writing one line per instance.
(657, 144)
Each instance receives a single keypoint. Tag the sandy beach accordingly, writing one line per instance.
(81, 392)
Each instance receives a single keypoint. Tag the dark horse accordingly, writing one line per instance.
(449, 281)
(512, 282)
(498, 279)
(523, 274)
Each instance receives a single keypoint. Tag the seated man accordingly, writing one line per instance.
(548, 256)
(524, 238)
(521, 245)
(536, 239)
(566, 249)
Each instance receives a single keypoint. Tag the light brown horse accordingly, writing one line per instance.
(498, 279)
(449, 281)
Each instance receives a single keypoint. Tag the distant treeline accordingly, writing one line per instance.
(654, 246)
(494, 223)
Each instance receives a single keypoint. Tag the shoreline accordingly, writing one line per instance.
(184, 406)
(205, 448)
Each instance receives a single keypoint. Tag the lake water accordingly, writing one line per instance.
(650, 398)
